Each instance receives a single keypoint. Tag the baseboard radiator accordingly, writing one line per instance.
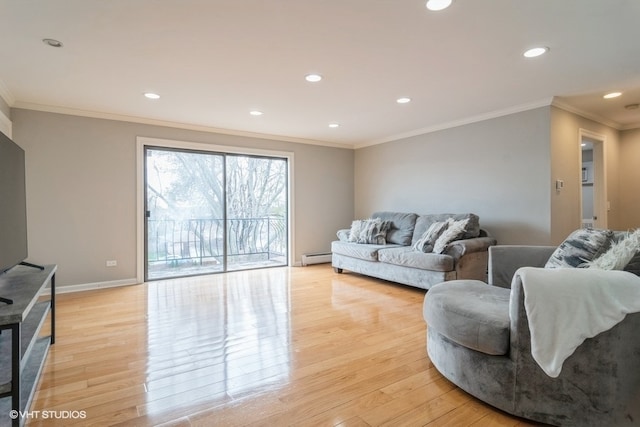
(317, 258)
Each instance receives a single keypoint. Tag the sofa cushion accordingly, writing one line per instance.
(579, 247)
(423, 222)
(358, 250)
(401, 227)
(470, 313)
(408, 257)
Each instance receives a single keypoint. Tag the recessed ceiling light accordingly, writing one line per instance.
(256, 113)
(313, 78)
(151, 95)
(52, 42)
(536, 51)
(436, 5)
(334, 125)
(612, 95)
(403, 100)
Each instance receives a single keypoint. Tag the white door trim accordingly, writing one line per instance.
(601, 204)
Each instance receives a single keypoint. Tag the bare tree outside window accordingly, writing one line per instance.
(209, 212)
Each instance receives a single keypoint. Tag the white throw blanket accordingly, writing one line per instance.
(565, 306)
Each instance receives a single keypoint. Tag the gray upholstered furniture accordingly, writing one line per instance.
(478, 337)
(397, 260)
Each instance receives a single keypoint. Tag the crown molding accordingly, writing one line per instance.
(591, 116)
(6, 125)
(465, 121)
(176, 125)
(6, 94)
(631, 126)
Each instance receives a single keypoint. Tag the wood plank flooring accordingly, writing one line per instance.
(275, 347)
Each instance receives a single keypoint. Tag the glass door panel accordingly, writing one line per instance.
(184, 213)
(257, 230)
(213, 212)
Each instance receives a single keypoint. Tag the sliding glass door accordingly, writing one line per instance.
(212, 212)
(256, 211)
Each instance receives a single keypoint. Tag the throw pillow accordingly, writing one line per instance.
(618, 256)
(369, 231)
(634, 265)
(354, 232)
(581, 246)
(454, 232)
(428, 239)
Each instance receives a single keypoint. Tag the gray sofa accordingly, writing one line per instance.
(396, 260)
(478, 336)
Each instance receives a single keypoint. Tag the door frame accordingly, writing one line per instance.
(600, 199)
(142, 142)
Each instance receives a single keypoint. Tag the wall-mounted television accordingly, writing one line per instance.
(13, 205)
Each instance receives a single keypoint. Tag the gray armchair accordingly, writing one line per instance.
(478, 337)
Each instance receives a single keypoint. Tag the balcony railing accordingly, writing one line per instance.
(201, 242)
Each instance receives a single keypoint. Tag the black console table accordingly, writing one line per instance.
(22, 348)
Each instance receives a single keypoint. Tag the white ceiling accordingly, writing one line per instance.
(212, 61)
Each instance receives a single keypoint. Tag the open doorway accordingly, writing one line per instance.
(593, 180)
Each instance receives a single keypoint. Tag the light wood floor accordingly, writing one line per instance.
(283, 346)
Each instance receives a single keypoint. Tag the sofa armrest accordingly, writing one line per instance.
(459, 248)
(504, 260)
(343, 234)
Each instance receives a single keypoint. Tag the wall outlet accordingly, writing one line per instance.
(112, 263)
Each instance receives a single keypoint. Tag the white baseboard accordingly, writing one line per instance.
(316, 258)
(91, 286)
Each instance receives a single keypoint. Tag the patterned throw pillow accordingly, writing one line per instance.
(428, 239)
(634, 264)
(581, 246)
(354, 233)
(454, 232)
(619, 254)
(369, 231)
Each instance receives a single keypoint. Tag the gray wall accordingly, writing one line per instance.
(498, 169)
(81, 190)
(81, 182)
